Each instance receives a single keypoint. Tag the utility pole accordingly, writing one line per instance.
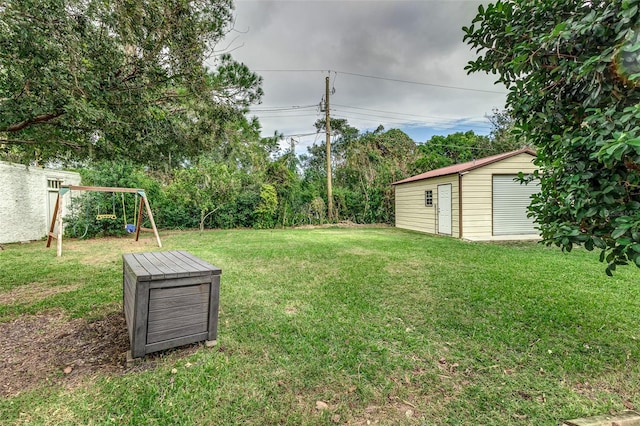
(292, 154)
(328, 129)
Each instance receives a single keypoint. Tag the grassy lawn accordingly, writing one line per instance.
(345, 326)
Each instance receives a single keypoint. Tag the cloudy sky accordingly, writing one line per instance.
(399, 63)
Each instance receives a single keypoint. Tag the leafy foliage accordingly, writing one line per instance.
(206, 187)
(442, 151)
(266, 210)
(459, 147)
(572, 70)
(501, 135)
(88, 79)
(365, 165)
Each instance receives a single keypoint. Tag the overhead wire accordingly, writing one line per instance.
(289, 111)
(333, 84)
(397, 80)
(282, 108)
(453, 125)
(290, 115)
(293, 135)
(395, 118)
(391, 112)
(442, 86)
(440, 120)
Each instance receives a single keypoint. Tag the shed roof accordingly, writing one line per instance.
(465, 167)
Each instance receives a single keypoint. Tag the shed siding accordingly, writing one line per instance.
(477, 197)
(24, 203)
(411, 213)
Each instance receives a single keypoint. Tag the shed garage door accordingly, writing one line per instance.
(510, 202)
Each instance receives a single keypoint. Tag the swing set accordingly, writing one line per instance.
(56, 220)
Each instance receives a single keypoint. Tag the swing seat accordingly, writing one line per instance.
(105, 216)
(130, 228)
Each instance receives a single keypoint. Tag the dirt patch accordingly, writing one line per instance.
(291, 310)
(102, 251)
(49, 348)
(396, 412)
(33, 292)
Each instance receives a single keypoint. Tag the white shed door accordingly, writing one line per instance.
(444, 209)
(510, 202)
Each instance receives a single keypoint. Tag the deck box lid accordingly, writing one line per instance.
(162, 265)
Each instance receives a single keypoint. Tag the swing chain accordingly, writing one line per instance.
(108, 216)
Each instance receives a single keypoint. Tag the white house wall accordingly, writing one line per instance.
(411, 212)
(24, 200)
(477, 187)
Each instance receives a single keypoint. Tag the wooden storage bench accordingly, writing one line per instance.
(170, 299)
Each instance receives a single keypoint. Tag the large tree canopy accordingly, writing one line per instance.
(120, 78)
(573, 73)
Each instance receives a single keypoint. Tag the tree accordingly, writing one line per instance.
(365, 165)
(371, 163)
(116, 79)
(459, 147)
(206, 187)
(343, 133)
(572, 69)
(501, 136)
(266, 210)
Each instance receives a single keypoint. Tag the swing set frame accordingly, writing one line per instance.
(56, 219)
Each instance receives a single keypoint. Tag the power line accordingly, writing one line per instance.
(421, 83)
(397, 80)
(281, 108)
(291, 70)
(386, 112)
(289, 116)
(292, 111)
(469, 126)
(424, 117)
(402, 115)
(302, 134)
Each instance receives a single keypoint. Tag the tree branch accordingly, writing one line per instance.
(32, 142)
(17, 142)
(43, 118)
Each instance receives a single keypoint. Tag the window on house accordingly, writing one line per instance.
(428, 198)
(53, 183)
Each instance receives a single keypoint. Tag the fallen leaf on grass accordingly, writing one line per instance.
(321, 405)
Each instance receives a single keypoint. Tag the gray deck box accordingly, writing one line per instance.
(170, 299)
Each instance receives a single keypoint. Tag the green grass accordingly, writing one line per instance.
(373, 321)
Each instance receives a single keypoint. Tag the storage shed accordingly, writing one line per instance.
(478, 200)
(27, 200)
